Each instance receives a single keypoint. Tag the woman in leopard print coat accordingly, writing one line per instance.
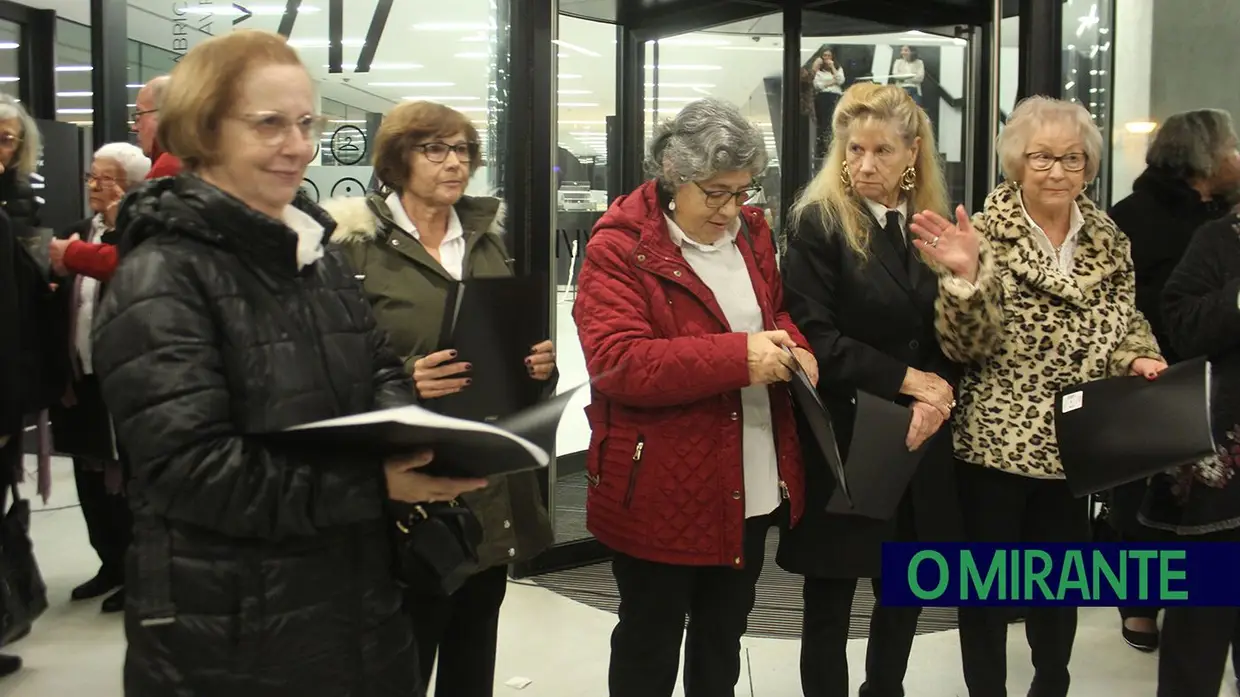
(1036, 294)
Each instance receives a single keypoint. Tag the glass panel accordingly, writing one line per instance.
(1087, 74)
(586, 103)
(893, 58)
(73, 70)
(10, 41)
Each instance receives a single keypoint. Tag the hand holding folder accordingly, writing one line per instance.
(880, 465)
(805, 397)
(1122, 430)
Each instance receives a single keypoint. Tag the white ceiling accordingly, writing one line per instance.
(440, 51)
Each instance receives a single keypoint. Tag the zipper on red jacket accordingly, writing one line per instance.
(783, 490)
(637, 465)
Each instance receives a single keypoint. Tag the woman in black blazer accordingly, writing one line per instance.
(865, 300)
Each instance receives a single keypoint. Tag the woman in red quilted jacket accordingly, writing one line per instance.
(693, 451)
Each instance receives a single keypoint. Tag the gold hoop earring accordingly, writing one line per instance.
(846, 177)
(909, 180)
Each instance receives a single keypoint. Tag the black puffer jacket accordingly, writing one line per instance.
(256, 570)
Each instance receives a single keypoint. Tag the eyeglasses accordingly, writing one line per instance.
(104, 182)
(719, 199)
(272, 127)
(438, 152)
(8, 140)
(1042, 161)
(138, 113)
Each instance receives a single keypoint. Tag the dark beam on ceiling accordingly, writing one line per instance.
(289, 18)
(378, 21)
(335, 36)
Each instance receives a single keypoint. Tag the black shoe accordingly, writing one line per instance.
(114, 603)
(9, 664)
(1141, 641)
(100, 585)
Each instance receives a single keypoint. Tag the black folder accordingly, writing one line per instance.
(1122, 430)
(494, 323)
(880, 465)
(806, 398)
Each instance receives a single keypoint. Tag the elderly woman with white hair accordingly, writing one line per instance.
(1036, 294)
(693, 451)
(81, 426)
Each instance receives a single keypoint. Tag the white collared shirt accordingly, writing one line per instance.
(721, 266)
(879, 211)
(1062, 259)
(451, 249)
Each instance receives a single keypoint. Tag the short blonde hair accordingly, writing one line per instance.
(833, 203)
(204, 86)
(1033, 114)
(408, 124)
(30, 147)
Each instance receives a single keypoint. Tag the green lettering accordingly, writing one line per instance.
(1102, 567)
(1073, 576)
(1143, 557)
(1166, 574)
(1037, 576)
(971, 578)
(1014, 591)
(915, 585)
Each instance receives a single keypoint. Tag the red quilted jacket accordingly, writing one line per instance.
(664, 464)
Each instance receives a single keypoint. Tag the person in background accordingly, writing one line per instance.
(828, 80)
(681, 316)
(1191, 178)
(909, 72)
(97, 260)
(1036, 294)
(1201, 502)
(28, 381)
(859, 292)
(410, 244)
(257, 567)
(81, 427)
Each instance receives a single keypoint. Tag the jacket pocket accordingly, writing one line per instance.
(638, 453)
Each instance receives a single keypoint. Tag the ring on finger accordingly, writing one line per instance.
(934, 242)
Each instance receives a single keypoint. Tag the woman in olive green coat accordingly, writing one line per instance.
(409, 245)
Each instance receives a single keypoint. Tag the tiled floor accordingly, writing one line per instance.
(560, 645)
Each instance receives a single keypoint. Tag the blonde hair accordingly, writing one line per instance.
(205, 85)
(827, 200)
(1032, 114)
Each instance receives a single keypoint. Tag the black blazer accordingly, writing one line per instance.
(867, 322)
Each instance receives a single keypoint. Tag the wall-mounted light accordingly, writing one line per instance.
(1140, 127)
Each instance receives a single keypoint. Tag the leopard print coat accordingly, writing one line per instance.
(1027, 331)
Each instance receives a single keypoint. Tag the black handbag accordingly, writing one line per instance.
(436, 545)
(23, 595)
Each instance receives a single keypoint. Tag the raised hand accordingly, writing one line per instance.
(953, 246)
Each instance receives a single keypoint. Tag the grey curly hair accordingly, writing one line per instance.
(706, 138)
(1190, 144)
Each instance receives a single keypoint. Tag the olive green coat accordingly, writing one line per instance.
(408, 290)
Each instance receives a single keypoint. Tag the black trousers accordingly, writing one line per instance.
(109, 524)
(824, 640)
(824, 112)
(461, 631)
(1192, 653)
(1000, 507)
(656, 598)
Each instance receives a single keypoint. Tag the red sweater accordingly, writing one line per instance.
(97, 260)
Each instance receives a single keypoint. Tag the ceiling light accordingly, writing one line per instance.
(685, 67)
(437, 98)
(452, 26)
(8, 45)
(135, 87)
(75, 111)
(73, 68)
(411, 84)
(74, 94)
(9, 78)
(576, 48)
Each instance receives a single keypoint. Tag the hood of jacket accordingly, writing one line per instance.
(360, 220)
(188, 207)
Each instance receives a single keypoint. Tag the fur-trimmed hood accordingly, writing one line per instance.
(360, 220)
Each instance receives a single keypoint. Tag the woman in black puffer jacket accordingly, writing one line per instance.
(255, 569)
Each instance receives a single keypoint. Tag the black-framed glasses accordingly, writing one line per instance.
(1071, 162)
(141, 112)
(719, 199)
(438, 152)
